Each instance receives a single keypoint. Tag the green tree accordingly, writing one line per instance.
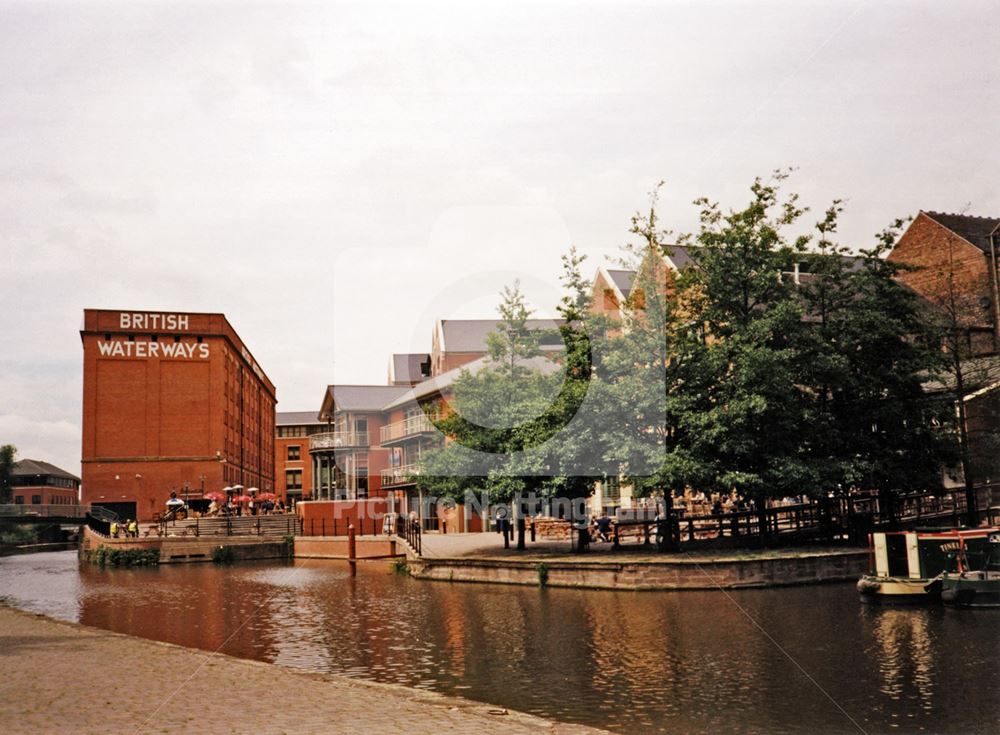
(493, 419)
(8, 458)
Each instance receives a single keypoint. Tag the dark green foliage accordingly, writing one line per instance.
(106, 556)
(543, 573)
(8, 458)
(223, 555)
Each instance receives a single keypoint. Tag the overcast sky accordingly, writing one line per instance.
(333, 177)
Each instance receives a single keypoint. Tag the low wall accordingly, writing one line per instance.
(692, 574)
(185, 549)
(328, 547)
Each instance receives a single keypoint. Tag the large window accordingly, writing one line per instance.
(294, 453)
(293, 479)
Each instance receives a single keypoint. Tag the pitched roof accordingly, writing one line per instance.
(976, 230)
(31, 467)
(469, 335)
(680, 256)
(980, 374)
(359, 397)
(296, 418)
(439, 383)
(409, 367)
(622, 279)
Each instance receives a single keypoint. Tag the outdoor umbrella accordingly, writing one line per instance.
(242, 498)
(267, 496)
(215, 496)
(253, 490)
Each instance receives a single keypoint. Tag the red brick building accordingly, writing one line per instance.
(955, 261)
(293, 478)
(34, 482)
(171, 402)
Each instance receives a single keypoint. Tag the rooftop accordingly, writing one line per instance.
(359, 397)
(296, 418)
(32, 467)
(469, 335)
(409, 367)
(976, 230)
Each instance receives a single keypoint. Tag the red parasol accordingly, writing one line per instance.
(216, 496)
(242, 498)
(267, 496)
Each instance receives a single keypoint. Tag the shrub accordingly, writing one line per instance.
(543, 573)
(223, 555)
(106, 556)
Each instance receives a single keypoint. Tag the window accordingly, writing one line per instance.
(294, 453)
(36, 499)
(293, 479)
(19, 500)
(612, 489)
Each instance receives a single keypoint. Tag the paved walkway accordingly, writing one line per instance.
(62, 677)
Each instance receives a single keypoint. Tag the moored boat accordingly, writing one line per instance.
(975, 581)
(908, 566)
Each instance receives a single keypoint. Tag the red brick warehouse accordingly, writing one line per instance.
(171, 402)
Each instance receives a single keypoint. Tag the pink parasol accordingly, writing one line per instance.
(216, 496)
(242, 498)
(267, 496)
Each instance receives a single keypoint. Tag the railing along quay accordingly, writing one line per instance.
(273, 525)
(843, 518)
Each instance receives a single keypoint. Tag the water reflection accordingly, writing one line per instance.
(671, 662)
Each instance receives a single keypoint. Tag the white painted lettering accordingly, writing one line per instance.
(105, 347)
(203, 351)
(124, 321)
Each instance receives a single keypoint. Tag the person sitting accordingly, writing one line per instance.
(603, 526)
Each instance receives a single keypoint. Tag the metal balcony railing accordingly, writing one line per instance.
(412, 426)
(399, 475)
(338, 440)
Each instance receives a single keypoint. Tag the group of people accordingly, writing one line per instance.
(252, 507)
(124, 529)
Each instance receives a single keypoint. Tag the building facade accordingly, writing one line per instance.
(293, 476)
(954, 266)
(34, 482)
(172, 402)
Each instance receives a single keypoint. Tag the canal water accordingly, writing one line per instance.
(803, 659)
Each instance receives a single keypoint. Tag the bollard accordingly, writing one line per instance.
(352, 551)
(444, 526)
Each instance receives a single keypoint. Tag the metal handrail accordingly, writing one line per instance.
(398, 475)
(70, 510)
(411, 426)
(338, 439)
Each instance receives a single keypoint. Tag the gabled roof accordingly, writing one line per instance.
(976, 230)
(409, 367)
(440, 383)
(622, 280)
(32, 467)
(296, 418)
(469, 335)
(359, 397)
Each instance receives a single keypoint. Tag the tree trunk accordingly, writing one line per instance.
(972, 514)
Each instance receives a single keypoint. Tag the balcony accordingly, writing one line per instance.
(338, 440)
(399, 475)
(413, 426)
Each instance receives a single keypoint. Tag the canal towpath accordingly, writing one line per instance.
(66, 677)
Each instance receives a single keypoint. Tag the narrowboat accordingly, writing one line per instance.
(908, 566)
(975, 580)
